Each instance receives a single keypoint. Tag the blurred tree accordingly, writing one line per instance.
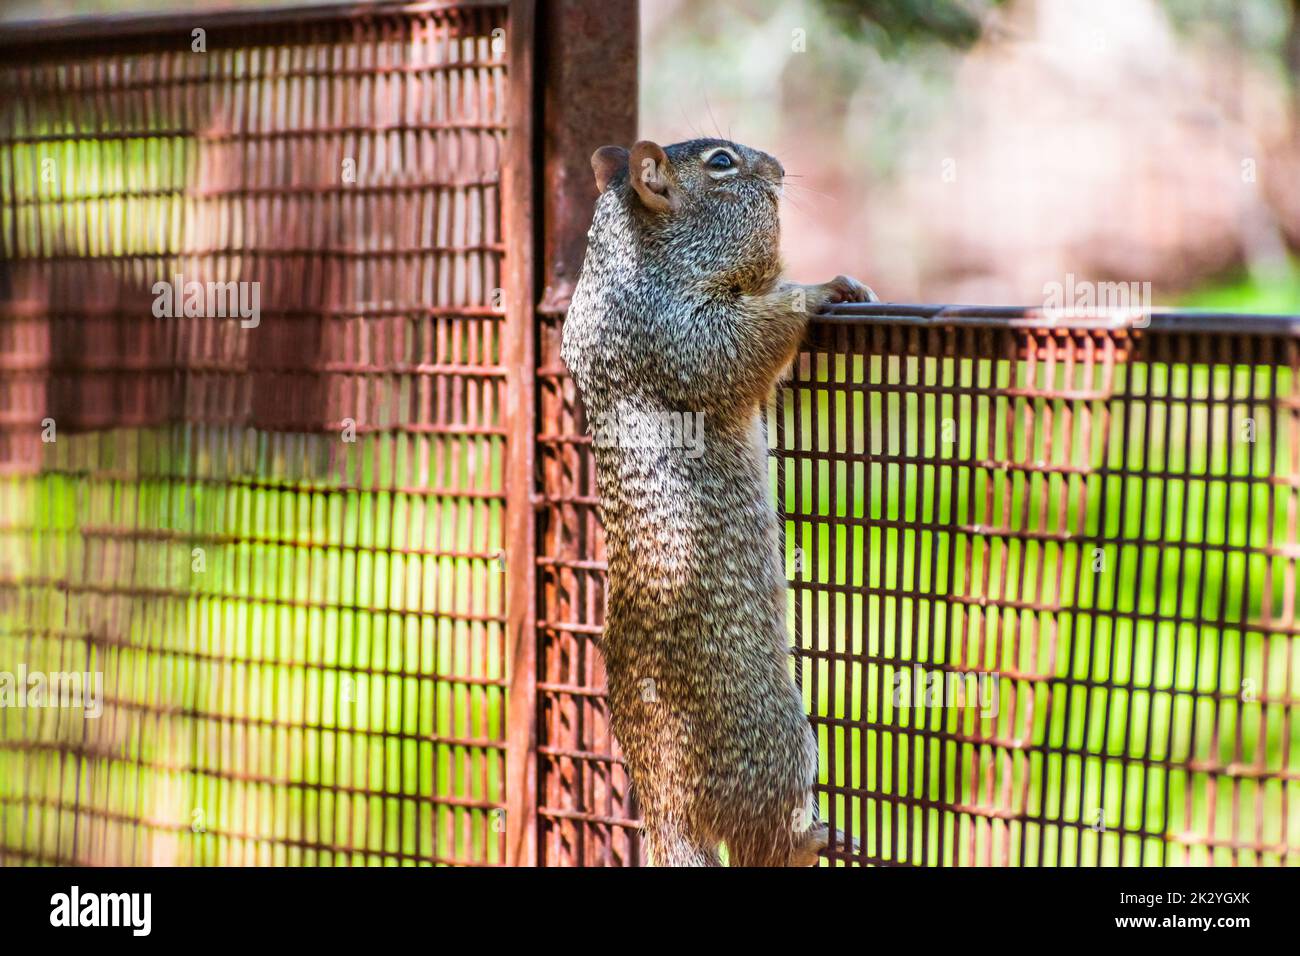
(893, 24)
(1293, 61)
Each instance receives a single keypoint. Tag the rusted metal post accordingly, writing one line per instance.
(586, 83)
(518, 186)
(589, 98)
(575, 61)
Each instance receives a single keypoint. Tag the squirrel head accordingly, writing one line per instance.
(665, 180)
(706, 207)
(679, 235)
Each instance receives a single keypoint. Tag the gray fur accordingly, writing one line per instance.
(685, 312)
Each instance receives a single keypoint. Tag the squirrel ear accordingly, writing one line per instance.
(651, 177)
(607, 162)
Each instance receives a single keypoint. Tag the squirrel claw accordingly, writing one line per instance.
(848, 289)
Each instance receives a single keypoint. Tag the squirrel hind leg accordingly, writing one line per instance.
(805, 851)
(673, 847)
(808, 850)
(818, 839)
(778, 849)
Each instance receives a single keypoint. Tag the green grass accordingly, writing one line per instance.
(1247, 293)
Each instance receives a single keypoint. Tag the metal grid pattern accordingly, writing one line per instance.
(281, 545)
(1094, 530)
(1101, 522)
(586, 813)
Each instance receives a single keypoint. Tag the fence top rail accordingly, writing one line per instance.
(1066, 319)
(35, 34)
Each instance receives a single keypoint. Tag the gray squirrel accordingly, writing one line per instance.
(679, 327)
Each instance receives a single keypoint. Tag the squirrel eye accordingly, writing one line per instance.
(720, 160)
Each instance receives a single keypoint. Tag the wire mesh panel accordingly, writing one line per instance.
(586, 812)
(1043, 592)
(1042, 603)
(252, 422)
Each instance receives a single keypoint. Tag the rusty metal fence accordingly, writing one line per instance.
(1090, 532)
(338, 558)
(276, 534)
(1042, 591)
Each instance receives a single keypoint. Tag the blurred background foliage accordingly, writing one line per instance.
(975, 150)
(894, 24)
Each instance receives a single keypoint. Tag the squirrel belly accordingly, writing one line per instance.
(678, 328)
(695, 648)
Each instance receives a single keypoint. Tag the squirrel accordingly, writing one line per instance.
(679, 326)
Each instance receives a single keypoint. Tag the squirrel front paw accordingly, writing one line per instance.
(847, 289)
